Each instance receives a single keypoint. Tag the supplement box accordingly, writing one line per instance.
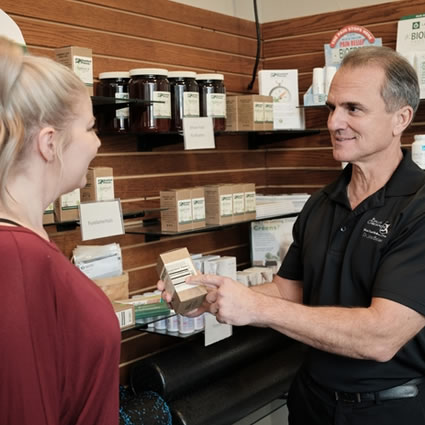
(80, 60)
(219, 204)
(173, 268)
(197, 195)
(49, 214)
(250, 201)
(99, 186)
(178, 215)
(251, 115)
(238, 194)
(232, 113)
(125, 315)
(66, 206)
(115, 288)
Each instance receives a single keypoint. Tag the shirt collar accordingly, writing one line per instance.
(406, 180)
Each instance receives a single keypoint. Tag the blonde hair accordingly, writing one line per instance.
(35, 92)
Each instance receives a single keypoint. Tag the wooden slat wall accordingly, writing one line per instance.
(125, 34)
(305, 164)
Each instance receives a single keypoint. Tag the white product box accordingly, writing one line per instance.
(282, 85)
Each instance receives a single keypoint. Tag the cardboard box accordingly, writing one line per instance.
(232, 113)
(268, 116)
(99, 186)
(197, 195)
(251, 112)
(178, 215)
(80, 60)
(66, 206)
(125, 315)
(219, 204)
(49, 214)
(250, 201)
(173, 268)
(115, 288)
(238, 202)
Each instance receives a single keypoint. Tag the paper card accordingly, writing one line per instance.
(198, 133)
(101, 219)
(215, 331)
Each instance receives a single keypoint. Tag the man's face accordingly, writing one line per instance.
(361, 129)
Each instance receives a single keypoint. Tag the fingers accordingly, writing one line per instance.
(206, 280)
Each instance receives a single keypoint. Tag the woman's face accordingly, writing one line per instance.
(81, 149)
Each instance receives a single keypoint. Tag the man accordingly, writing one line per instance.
(352, 285)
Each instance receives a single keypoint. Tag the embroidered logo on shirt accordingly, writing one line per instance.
(376, 230)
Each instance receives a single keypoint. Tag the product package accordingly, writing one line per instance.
(115, 288)
(173, 268)
(49, 214)
(80, 60)
(178, 215)
(219, 204)
(125, 315)
(99, 186)
(66, 206)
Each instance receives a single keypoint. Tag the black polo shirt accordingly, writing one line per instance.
(345, 257)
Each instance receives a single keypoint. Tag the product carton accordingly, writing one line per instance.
(250, 202)
(80, 60)
(178, 215)
(268, 115)
(66, 206)
(115, 288)
(238, 202)
(219, 204)
(173, 268)
(125, 315)
(232, 113)
(251, 112)
(49, 214)
(197, 195)
(99, 186)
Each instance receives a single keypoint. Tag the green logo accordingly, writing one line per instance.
(416, 25)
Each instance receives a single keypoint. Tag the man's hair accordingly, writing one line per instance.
(400, 87)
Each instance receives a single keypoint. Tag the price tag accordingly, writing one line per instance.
(198, 133)
(101, 219)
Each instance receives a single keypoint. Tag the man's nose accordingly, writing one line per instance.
(337, 119)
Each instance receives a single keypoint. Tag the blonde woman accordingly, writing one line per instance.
(59, 336)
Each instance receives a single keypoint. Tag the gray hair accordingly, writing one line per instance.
(400, 87)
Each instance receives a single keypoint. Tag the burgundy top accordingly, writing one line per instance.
(59, 338)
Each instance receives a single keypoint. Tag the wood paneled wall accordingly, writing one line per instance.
(126, 34)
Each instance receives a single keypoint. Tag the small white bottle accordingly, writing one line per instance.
(186, 324)
(418, 150)
(172, 324)
(200, 322)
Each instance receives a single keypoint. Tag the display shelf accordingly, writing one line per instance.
(112, 102)
(153, 232)
(149, 140)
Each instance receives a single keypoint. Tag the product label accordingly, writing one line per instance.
(190, 104)
(184, 211)
(226, 205)
(177, 271)
(123, 112)
(239, 203)
(125, 317)
(258, 112)
(268, 112)
(250, 202)
(216, 105)
(198, 209)
(83, 67)
(104, 188)
(162, 110)
(71, 200)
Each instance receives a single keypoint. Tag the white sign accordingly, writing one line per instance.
(101, 219)
(198, 133)
(215, 331)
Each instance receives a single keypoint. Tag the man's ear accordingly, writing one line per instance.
(46, 143)
(403, 118)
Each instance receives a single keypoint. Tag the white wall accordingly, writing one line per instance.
(276, 10)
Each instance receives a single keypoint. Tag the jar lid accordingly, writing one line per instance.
(148, 71)
(182, 74)
(114, 74)
(210, 77)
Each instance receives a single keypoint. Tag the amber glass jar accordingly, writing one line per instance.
(212, 99)
(150, 84)
(113, 84)
(184, 97)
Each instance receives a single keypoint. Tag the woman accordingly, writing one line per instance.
(59, 336)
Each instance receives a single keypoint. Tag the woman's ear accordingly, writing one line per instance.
(403, 118)
(46, 143)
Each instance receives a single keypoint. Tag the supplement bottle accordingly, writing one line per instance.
(150, 84)
(418, 150)
(110, 119)
(184, 97)
(212, 99)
